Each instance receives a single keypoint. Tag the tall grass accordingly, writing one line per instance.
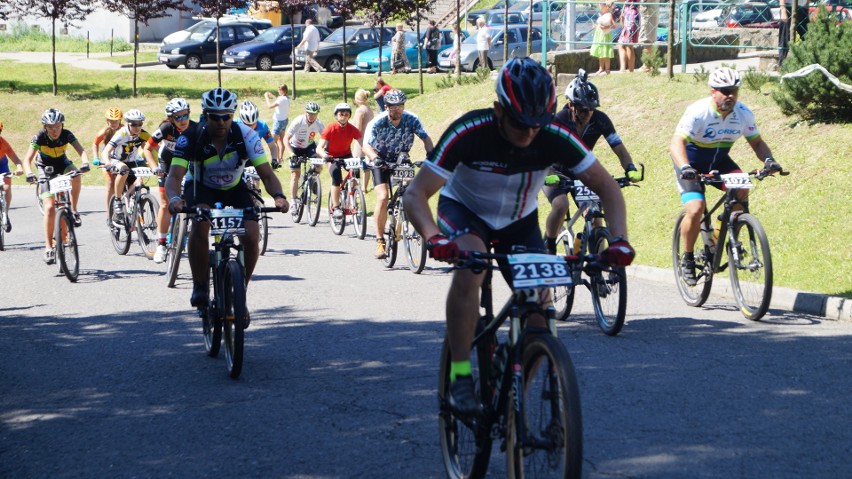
(23, 38)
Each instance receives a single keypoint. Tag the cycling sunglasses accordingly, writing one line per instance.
(134, 123)
(219, 117)
(181, 117)
(731, 90)
(517, 125)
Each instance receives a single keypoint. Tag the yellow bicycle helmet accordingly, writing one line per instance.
(114, 114)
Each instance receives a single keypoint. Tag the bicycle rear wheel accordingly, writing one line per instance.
(234, 296)
(2, 222)
(40, 188)
(563, 296)
(66, 245)
(359, 212)
(551, 444)
(174, 251)
(211, 320)
(415, 247)
(314, 201)
(391, 240)
(750, 265)
(119, 233)
(692, 295)
(337, 225)
(609, 290)
(147, 232)
(465, 443)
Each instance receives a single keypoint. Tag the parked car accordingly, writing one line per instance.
(841, 9)
(358, 39)
(272, 47)
(584, 25)
(182, 35)
(538, 9)
(752, 15)
(497, 17)
(368, 61)
(200, 47)
(517, 39)
(501, 5)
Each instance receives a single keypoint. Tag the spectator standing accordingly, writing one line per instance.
(454, 53)
(281, 115)
(602, 46)
(362, 115)
(399, 60)
(431, 43)
(629, 36)
(649, 17)
(784, 27)
(310, 43)
(483, 42)
(380, 90)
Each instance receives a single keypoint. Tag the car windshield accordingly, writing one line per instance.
(337, 35)
(270, 34)
(201, 34)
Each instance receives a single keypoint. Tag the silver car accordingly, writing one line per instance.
(517, 39)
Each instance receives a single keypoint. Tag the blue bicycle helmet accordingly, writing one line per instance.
(525, 91)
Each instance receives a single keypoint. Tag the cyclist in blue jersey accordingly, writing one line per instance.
(250, 117)
(702, 143)
(387, 135)
(489, 166)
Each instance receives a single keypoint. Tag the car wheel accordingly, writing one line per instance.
(193, 62)
(170, 66)
(264, 63)
(334, 64)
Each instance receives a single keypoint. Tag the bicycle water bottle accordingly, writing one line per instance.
(717, 226)
(578, 243)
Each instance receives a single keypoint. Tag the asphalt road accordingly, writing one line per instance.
(108, 377)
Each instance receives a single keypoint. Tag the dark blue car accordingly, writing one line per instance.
(272, 47)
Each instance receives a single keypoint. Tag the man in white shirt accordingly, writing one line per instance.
(483, 42)
(310, 43)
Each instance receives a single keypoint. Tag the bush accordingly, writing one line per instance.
(813, 97)
(754, 79)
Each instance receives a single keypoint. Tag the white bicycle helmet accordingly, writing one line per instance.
(175, 105)
(312, 107)
(133, 115)
(724, 78)
(248, 112)
(342, 107)
(52, 116)
(219, 99)
(582, 92)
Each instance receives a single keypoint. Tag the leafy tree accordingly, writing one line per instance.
(813, 96)
(65, 11)
(142, 12)
(216, 9)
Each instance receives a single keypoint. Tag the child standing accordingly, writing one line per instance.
(602, 46)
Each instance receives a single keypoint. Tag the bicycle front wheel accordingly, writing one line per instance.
(359, 212)
(609, 290)
(40, 187)
(298, 209)
(66, 245)
(263, 237)
(314, 201)
(551, 443)
(2, 223)
(234, 299)
(119, 232)
(174, 251)
(211, 320)
(337, 225)
(147, 232)
(697, 294)
(563, 296)
(750, 265)
(465, 443)
(415, 247)
(391, 240)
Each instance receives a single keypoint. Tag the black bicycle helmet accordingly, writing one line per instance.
(525, 91)
(219, 99)
(582, 92)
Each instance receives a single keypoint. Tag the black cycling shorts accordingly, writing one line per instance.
(308, 152)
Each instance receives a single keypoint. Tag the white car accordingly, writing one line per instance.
(713, 18)
(182, 35)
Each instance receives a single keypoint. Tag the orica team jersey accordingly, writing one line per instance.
(219, 170)
(493, 178)
(303, 134)
(49, 149)
(388, 140)
(126, 146)
(708, 135)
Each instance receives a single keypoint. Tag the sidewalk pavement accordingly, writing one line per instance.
(785, 299)
(95, 61)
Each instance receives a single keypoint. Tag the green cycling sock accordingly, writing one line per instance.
(459, 368)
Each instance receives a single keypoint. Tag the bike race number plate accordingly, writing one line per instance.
(60, 183)
(228, 220)
(532, 270)
(317, 161)
(737, 181)
(142, 172)
(583, 193)
(404, 172)
(352, 163)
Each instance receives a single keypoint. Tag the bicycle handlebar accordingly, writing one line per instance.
(478, 261)
(759, 174)
(205, 212)
(72, 174)
(561, 180)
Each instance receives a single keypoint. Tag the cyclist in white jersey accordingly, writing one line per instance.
(301, 140)
(702, 142)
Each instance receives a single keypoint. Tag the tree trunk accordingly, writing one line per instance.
(53, 55)
(135, 51)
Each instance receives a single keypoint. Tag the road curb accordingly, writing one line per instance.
(786, 299)
(140, 64)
